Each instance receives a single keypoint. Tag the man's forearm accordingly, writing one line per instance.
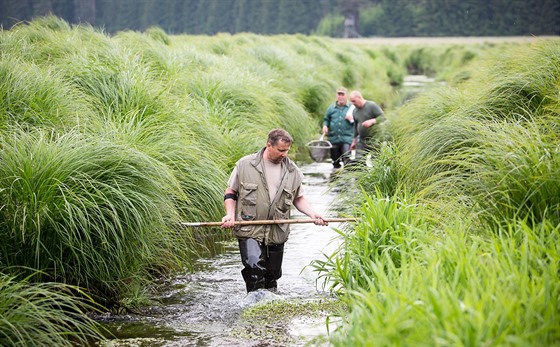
(304, 207)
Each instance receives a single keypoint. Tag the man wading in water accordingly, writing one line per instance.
(264, 186)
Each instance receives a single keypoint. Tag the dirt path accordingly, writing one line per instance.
(445, 40)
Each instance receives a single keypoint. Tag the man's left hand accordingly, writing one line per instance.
(319, 220)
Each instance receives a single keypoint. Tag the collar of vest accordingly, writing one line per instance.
(258, 159)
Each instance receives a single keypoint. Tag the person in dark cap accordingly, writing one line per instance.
(338, 126)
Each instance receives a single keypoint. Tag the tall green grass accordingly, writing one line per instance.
(386, 229)
(107, 143)
(515, 172)
(490, 143)
(45, 314)
(412, 285)
(83, 211)
(460, 247)
(33, 97)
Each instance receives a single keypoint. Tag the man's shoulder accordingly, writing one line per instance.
(373, 107)
(290, 164)
(294, 168)
(248, 156)
(331, 107)
(247, 159)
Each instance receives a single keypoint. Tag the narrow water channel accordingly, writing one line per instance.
(202, 308)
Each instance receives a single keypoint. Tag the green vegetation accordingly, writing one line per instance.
(457, 243)
(107, 143)
(282, 310)
(44, 314)
(398, 18)
(268, 321)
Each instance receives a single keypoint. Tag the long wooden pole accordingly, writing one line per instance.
(267, 221)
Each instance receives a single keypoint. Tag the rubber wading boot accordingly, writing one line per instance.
(254, 264)
(262, 264)
(275, 255)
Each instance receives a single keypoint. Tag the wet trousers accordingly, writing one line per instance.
(262, 265)
(340, 153)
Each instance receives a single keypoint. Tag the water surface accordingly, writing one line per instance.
(203, 308)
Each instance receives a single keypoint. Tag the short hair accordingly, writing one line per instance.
(276, 135)
(356, 94)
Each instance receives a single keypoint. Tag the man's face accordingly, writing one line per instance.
(278, 152)
(341, 98)
(357, 101)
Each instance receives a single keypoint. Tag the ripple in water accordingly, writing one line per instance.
(202, 308)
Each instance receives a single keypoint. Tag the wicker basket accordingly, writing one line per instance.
(319, 149)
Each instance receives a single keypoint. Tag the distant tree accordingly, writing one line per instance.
(350, 9)
(193, 22)
(12, 12)
(221, 19)
(84, 11)
(130, 16)
(243, 11)
(287, 9)
(265, 17)
(363, 17)
(157, 13)
(42, 7)
(331, 25)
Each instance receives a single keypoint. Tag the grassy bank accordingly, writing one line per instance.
(108, 142)
(458, 238)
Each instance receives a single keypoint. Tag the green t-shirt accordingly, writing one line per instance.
(368, 111)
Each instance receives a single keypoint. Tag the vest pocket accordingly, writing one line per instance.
(284, 208)
(248, 200)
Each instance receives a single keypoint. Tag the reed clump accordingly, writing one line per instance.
(45, 314)
(461, 247)
(108, 143)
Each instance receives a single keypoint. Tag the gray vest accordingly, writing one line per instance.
(254, 203)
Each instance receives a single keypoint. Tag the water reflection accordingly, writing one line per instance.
(415, 84)
(202, 308)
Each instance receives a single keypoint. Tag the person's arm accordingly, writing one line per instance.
(350, 114)
(354, 140)
(303, 206)
(369, 122)
(230, 201)
(374, 112)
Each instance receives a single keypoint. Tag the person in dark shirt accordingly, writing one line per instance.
(368, 117)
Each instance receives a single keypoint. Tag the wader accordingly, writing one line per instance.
(262, 264)
(340, 154)
(262, 246)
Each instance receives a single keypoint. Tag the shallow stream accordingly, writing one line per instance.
(202, 308)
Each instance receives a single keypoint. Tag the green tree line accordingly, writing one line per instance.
(391, 18)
